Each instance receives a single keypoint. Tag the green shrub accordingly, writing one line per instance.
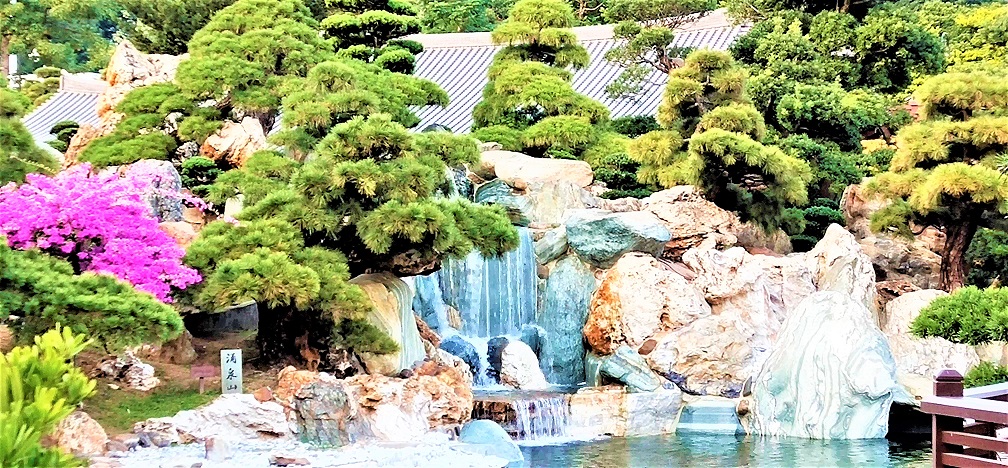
(803, 243)
(63, 125)
(198, 174)
(818, 218)
(985, 373)
(39, 386)
(970, 315)
(634, 126)
(826, 202)
(509, 138)
(47, 72)
(988, 258)
(58, 145)
(619, 172)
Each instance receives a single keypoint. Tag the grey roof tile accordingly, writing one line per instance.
(80, 107)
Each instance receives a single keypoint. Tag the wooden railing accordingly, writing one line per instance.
(964, 422)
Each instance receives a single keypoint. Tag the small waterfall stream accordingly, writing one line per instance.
(541, 418)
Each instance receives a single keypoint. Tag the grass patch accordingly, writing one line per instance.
(117, 410)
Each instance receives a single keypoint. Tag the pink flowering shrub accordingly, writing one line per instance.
(98, 223)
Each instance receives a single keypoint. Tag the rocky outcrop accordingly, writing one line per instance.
(497, 192)
(601, 237)
(611, 411)
(695, 222)
(458, 346)
(518, 170)
(80, 435)
(569, 290)
(831, 374)
(238, 416)
(899, 260)
(923, 357)
(629, 367)
(858, 207)
(162, 188)
(551, 245)
(638, 297)
(129, 370)
(182, 232)
(332, 412)
(520, 367)
(393, 314)
(838, 264)
(235, 142)
(127, 70)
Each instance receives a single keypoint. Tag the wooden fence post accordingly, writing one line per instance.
(948, 383)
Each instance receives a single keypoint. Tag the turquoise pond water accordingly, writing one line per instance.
(714, 451)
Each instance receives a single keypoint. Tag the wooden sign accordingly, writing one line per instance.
(202, 372)
(231, 371)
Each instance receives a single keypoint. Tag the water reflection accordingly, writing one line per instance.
(710, 451)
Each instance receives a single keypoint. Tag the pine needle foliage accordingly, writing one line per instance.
(944, 168)
(367, 30)
(712, 138)
(44, 290)
(18, 153)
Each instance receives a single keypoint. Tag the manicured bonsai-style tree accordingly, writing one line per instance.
(39, 386)
(97, 223)
(724, 155)
(944, 172)
(368, 30)
(18, 153)
(529, 93)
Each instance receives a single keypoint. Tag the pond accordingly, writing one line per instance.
(714, 451)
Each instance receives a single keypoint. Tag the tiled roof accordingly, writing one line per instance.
(78, 106)
(459, 62)
(456, 62)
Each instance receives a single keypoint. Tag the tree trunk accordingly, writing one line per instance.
(4, 51)
(953, 265)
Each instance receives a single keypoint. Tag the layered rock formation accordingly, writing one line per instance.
(831, 374)
(393, 314)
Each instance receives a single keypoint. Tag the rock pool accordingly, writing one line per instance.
(710, 451)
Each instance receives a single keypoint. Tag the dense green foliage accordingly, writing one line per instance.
(645, 32)
(64, 131)
(198, 175)
(455, 16)
(724, 155)
(39, 386)
(66, 34)
(366, 30)
(985, 373)
(635, 125)
(970, 315)
(44, 290)
(807, 226)
(944, 171)
(987, 258)
(166, 26)
(18, 153)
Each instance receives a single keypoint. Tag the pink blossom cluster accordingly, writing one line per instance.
(99, 223)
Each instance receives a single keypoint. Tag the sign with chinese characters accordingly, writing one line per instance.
(231, 371)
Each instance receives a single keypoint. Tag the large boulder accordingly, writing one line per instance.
(601, 237)
(465, 350)
(922, 357)
(629, 367)
(520, 367)
(515, 168)
(497, 192)
(569, 290)
(129, 370)
(611, 411)
(235, 142)
(749, 297)
(237, 416)
(838, 264)
(491, 439)
(858, 207)
(393, 314)
(637, 298)
(162, 185)
(831, 374)
(899, 260)
(333, 412)
(181, 232)
(80, 435)
(551, 245)
(177, 351)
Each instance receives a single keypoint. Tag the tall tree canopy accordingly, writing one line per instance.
(65, 33)
(366, 30)
(945, 171)
(18, 153)
(712, 138)
(166, 26)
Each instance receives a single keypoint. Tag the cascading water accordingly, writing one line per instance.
(541, 418)
(494, 296)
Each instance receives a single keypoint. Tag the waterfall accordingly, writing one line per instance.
(494, 296)
(541, 418)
